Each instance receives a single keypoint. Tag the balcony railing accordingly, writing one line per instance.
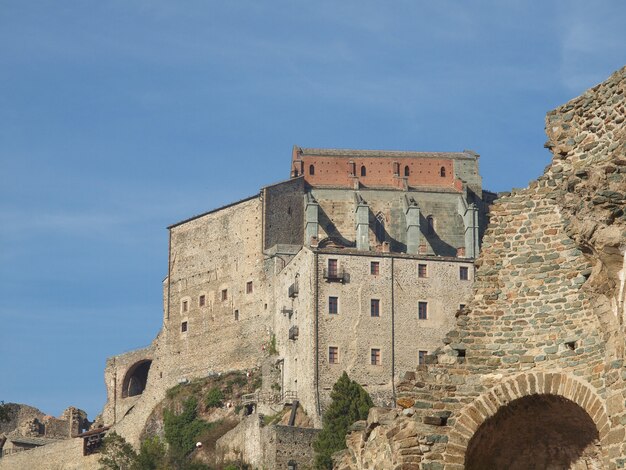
(334, 275)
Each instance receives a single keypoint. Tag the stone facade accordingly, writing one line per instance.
(533, 375)
(393, 246)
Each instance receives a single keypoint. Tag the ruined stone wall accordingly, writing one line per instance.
(283, 445)
(544, 333)
(66, 455)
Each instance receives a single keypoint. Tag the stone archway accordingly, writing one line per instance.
(518, 403)
(136, 379)
(536, 432)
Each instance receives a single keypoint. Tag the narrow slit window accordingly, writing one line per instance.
(224, 294)
(249, 287)
(422, 310)
(442, 171)
(236, 315)
(311, 169)
(430, 225)
(202, 300)
(183, 327)
(185, 306)
(363, 171)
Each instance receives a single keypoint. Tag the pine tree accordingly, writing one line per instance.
(350, 403)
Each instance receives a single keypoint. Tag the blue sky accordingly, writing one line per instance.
(118, 118)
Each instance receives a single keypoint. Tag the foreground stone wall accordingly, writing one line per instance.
(543, 339)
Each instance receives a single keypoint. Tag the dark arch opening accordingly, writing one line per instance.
(430, 225)
(380, 227)
(442, 171)
(407, 171)
(363, 170)
(136, 379)
(311, 169)
(536, 432)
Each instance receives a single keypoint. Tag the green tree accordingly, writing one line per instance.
(350, 403)
(214, 398)
(117, 454)
(4, 413)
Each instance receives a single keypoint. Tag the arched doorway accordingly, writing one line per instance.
(136, 379)
(536, 432)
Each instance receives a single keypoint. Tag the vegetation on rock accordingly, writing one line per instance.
(4, 413)
(350, 403)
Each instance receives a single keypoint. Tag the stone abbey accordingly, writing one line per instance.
(489, 332)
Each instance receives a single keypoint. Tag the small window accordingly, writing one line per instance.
(202, 300)
(430, 225)
(332, 267)
(333, 355)
(333, 305)
(183, 327)
(380, 227)
(463, 273)
(224, 294)
(396, 169)
(375, 307)
(249, 287)
(442, 171)
(363, 171)
(375, 268)
(461, 307)
(236, 315)
(311, 169)
(185, 306)
(407, 171)
(422, 270)
(375, 357)
(352, 168)
(421, 357)
(422, 310)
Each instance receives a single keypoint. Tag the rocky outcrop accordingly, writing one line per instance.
(534, 371)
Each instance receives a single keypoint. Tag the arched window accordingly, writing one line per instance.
(311, 169)
(136, 379)
(430, 225)
(380, 227)
(396, 169)
(442, 171)
(407, 172)
(363, 170)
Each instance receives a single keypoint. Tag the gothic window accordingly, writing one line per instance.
(380, 227)
(311, 169)
(430, 225)
(442, 171)
(363, 171)
(407, 171)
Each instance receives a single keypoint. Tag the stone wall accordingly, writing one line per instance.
(63, 455)
(544, 336)
(283, 213)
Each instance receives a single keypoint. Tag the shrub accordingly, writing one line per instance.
(151, 455)
(117, 454)
(214, 398)
(350, 403)
(4, 413)
(181, 430)
(272, 348)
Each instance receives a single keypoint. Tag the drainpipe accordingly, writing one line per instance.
(393, 337)
(317, 345)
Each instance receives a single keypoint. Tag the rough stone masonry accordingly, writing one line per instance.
(533, 375)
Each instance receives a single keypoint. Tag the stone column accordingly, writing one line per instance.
(362, 213)
(412, 216)
(470, 222)
(311, 218)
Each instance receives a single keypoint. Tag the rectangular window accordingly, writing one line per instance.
(375, 308)
(422, 310)
(249, 287)
(185, 305)
(421, 357)
(236, 315)
(183, 327)
(332, 268)
(333, 305)
(463, 273)
(224, 294)
(375, 357)
(422, 270)
(333, 355)
(375, 268)
(202, 301)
